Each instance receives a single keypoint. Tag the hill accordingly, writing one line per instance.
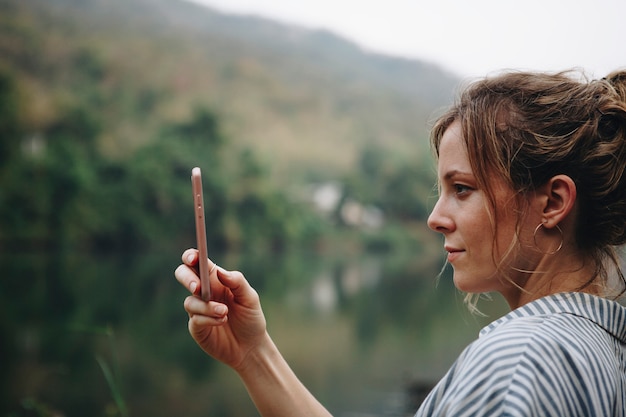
(306, 101)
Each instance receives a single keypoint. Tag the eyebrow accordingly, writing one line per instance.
(454, 173)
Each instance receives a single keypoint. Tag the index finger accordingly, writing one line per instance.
(187, 276)
(187, 273)
(190, 257)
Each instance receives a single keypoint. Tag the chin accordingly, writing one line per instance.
(462, 284)
(472, 284)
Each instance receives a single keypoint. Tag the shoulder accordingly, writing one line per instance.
(510, 341)
(559, 340)
(542, 364)
(541, 333)
(546, 348)
(563, 363)
(579, 325)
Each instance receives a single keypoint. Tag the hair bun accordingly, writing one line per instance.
(617, 80)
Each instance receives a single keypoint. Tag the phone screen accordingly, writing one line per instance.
(203, 255)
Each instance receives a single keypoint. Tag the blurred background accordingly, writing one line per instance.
(318, 179)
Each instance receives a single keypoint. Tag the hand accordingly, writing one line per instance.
(231, 328)
(232, 324)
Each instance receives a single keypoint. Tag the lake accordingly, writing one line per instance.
(106, 335)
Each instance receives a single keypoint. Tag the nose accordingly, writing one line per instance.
(438, 220)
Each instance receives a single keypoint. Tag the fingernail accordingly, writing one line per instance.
(220, 310)
(190, 257)
(193, 287)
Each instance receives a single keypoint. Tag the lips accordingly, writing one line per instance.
(453, 253)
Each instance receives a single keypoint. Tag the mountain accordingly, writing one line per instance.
(306, 101)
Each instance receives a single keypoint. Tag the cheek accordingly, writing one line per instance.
(510, 248)
(480, 228)
(484, 248)
(489, 246)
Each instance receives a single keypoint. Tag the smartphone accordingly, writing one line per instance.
(203, 255)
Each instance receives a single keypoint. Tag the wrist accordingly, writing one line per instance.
(259, 358)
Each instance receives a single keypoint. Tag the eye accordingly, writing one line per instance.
(461, 189)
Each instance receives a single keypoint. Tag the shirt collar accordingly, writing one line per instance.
(608, 314)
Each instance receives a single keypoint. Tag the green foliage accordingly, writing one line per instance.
(9, 126)
(311, 95)
(104, 109)
(400, 185)
(112, 377)
(68, 194)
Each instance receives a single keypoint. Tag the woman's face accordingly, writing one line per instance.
(462, 216)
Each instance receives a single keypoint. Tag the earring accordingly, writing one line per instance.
(537, 246)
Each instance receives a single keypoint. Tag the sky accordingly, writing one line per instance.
(470, 38)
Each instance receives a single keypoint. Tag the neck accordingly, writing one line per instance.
(563, 272)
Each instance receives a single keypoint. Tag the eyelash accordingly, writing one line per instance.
(461, 189)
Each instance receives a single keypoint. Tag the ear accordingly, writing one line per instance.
(558, 198)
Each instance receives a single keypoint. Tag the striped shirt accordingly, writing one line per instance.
(561, 355)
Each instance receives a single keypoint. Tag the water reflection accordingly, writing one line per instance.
(329, 286)
(358, 331)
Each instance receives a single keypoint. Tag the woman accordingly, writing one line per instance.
(532, 203)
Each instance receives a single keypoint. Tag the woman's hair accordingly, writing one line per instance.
(528, 127)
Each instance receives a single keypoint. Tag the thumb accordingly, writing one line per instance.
(240, 288)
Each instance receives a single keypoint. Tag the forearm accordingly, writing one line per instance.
(273, 386)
